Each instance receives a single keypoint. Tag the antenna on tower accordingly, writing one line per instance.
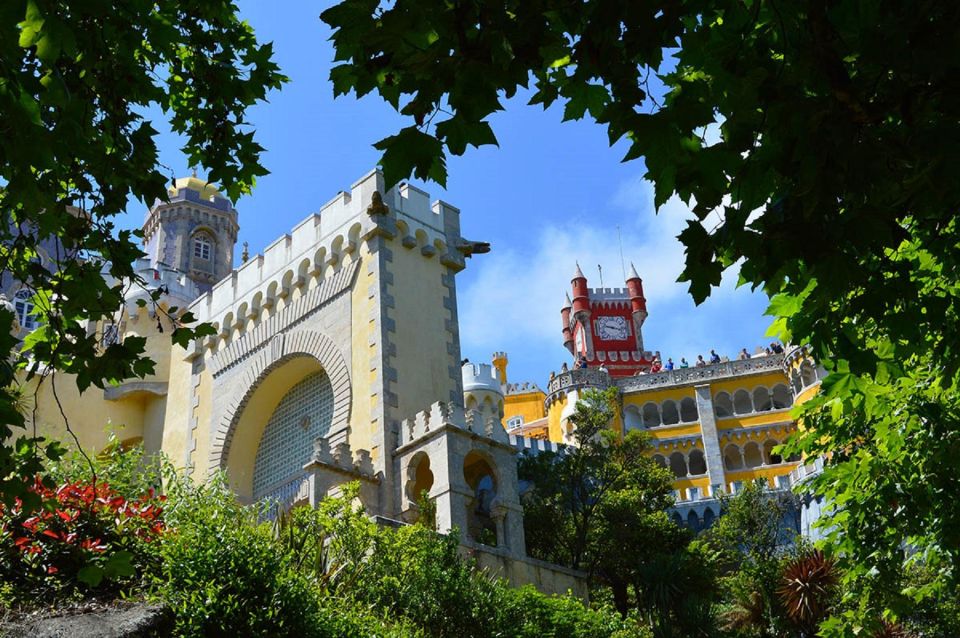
(623, 266)
(600, 268)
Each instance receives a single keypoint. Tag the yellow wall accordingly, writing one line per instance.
(554, 426)
(529, 405)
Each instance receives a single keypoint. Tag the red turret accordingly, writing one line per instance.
(567, 333)
(638, 303)
(581, 296)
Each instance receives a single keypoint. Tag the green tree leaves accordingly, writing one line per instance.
(830, 185)
(75, 82)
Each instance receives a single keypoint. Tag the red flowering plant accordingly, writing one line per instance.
(83, 533)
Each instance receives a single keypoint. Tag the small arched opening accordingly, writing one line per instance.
(678, 464)
(651, 415)
(741, 402)
(752, 456)
(708, 518)
(761, 399)
(781, 397)
(698, 464)
(479, 474)
(632, 419)
(722, 405)
(670, 413)
(688, 410)
(768, 455)
(732, 458)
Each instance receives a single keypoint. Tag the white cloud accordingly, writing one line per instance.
(512, 300)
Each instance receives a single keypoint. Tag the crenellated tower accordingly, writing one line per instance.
(605, 324)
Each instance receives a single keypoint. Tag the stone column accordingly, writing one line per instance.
(711, 442)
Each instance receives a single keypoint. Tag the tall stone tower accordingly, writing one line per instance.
(193, 232)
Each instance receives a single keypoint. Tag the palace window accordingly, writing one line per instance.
(514, 422)
(25, 308)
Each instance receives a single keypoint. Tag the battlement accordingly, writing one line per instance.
(323, 240)
(609, 294)
(480, 376)
(523, 387)
(442, 415)
(341, 457)
(534, 446)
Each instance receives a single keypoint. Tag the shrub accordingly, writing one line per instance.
(83, 535)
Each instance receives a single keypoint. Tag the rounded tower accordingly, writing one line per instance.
(581, 297)
(193, 232)
(565, 318)
(482, 390)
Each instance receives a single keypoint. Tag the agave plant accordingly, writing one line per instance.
(807, 589)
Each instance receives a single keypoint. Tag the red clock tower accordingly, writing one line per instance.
(604, 325)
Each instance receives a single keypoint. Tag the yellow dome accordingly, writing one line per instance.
(194, 183)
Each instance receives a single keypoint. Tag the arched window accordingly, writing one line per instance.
(688, 410)
(670, 413)
(782, 398)
(303, 415)
(795, 381)
(807, 374)
(632, 419)
(741, 402)
(768, 455)
(678, 464)
(708, 518)
(479, 475)
(732, 459)
(751, 455)
(722, 405)
(698, 464)
(23, 304)
(761, 399)
(651, 415)
(676, 518)
(419, 476)
(659, 460)
(202, 252)
(202, 246)
(693, 521)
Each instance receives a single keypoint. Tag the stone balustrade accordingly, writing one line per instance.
(688, 376)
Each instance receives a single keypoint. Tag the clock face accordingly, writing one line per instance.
(612, 328)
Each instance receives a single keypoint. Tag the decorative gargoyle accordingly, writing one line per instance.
(469, 248)
(377, 207)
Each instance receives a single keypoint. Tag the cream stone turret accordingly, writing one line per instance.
(482, 390)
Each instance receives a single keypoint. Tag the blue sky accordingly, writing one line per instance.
(551, 194)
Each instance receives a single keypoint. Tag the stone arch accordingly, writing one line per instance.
(808, 375)
(419, 476)
(708, 518)
(697, 462)
(732, 458)
(296, 354)
(688, 410)
(761, 399)
(781, 396)
(795, 381)
(752, 456)
(678, 521)
(651, 415)
(693, 521)
(722, 405)
(659, 460)
(678, 464)
(768, 456)
(482, 478)
(742, 403)
(632, 419)
(353, 238)
(670, 413)
(422, 239)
